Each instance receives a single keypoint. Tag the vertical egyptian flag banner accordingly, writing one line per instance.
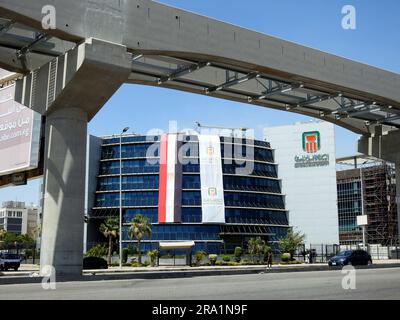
(211, 179)
(170, 181)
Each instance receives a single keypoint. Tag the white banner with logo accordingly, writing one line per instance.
(172, 155)
(211, 178)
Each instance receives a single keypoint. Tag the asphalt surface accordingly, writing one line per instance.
(370, 284)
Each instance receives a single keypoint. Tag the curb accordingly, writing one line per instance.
(103, 276)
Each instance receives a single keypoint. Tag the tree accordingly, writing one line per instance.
(291, 242)
(140, 228)
(199, 255)
(238, 254)
(3, 234)
(255, 247)
(153, 255)
(25, 240)
(110, 229)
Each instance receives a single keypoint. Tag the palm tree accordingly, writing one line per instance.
(110, 229)
(256, 246)
(291, 242)
(140, 228)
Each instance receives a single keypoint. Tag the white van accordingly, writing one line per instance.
(9, 261)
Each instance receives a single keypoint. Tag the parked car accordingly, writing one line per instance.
(92, 263)
(351, 257)
(10, 261)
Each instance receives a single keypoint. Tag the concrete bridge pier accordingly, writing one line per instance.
(69, 91)
(64, 191)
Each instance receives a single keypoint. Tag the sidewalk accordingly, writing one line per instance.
(30, 272)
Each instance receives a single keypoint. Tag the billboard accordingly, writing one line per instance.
(305, 153)
(19, 134)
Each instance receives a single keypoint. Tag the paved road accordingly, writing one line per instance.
(370, 284)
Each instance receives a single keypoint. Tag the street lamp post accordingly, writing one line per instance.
(362, 208)
(120, 196)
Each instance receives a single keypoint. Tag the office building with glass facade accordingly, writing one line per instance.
(216, 191)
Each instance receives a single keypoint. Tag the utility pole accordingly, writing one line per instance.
(120, 196)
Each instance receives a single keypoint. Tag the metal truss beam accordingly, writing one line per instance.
(272, 87)
(369, 109)
(6, 27)
(316, 99)
(183, 71)
(352, 107)
(25, 50)
(234, 82)
(385, 120)
(280, 89)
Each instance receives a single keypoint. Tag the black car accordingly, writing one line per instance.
(93, 263)
(351, 257)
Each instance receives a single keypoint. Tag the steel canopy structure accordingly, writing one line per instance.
(101, 44)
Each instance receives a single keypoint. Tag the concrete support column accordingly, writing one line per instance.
(64, 191)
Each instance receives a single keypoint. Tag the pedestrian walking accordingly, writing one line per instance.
(270, 259)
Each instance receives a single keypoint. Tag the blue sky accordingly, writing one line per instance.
(313, 23)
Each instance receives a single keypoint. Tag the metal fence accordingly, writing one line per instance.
(321, 253)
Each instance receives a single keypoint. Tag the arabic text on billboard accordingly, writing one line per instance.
(19, 134)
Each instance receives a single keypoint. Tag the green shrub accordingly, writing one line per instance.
(199, 255)
(249, 263)
(98, 251)
(153, 255)
(132, 250)
(146, 263)
(135, 264)
(285, 257)
(226, 258)
(238, 254)
(213, 259)
(291, 262)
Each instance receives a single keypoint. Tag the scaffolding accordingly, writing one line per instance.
(369, 188)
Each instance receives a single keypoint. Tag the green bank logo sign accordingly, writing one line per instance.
(311, 143)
